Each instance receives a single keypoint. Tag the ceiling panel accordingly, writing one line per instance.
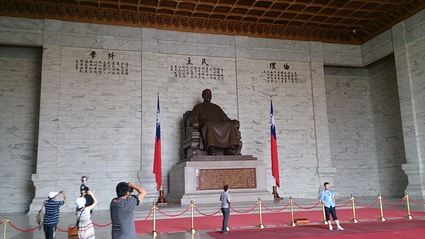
(342, 21)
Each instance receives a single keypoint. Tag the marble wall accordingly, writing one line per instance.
(352, 133)
(409, 45)
(19, 106)
(103, 124)
(388, 130)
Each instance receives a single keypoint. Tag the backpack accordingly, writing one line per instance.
(40, 216)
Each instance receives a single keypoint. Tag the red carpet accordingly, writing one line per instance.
(377, 230)
(269, 219)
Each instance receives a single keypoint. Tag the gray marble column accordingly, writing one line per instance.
(325, 171)
(408, 54)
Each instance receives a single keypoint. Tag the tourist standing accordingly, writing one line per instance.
(83, 190)
(122, 210)
(83, 213)
(225, 208)
(328, 199)
(51, 216)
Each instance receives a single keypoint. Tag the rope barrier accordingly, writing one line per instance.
(351, 200)
(271, 210)
(102, 225)
(208, 215)
(345, 204)
(248, 211)
(394, 204)
(307, 208)
(417, 203)
(372, 205)
(62, 230)
(176, 215)
(146, 218)
(23, 230)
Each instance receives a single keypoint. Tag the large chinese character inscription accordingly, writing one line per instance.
(236, 178)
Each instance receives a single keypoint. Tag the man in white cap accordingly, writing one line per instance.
(51, 217)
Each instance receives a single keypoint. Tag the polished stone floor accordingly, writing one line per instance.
(27, 221)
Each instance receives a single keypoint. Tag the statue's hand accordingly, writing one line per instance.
(235, 122)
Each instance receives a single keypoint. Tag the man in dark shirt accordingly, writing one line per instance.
(89, 198)
(122, 210)
(83, 190)
(51, 217)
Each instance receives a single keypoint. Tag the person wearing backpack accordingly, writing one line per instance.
(51, 216)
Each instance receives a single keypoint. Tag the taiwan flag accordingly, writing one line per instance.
(157, 170)
(273, 142)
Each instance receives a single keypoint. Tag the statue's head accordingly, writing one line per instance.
(206, 95)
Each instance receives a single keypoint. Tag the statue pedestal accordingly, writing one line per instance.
(202, 179)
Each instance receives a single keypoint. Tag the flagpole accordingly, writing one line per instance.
(157, 165)
(274, 153)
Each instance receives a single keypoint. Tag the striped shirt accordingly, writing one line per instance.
(52, 211)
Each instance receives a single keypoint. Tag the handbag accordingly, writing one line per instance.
(40, 216)
(77, 224)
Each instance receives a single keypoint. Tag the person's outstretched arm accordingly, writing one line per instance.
(94, 200)
(64, 196)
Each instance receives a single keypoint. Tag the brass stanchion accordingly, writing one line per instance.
(5, 221)
(261, 225)
(154, 233)
(291, 203)
(324, 214)
(382, 218)
(192, 229)
(353, 207)
(406, 195)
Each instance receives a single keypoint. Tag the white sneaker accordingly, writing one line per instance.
(340, 228)
(330, 228)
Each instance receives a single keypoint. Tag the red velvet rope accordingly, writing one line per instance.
(149, 214)
(62, 230)
(169, 215)
(1, 222)
(345, 204)
(417, 203)
(208, 215)
(249, 210)
(361, 205)
(307, 208)
(392, 204)
(23, 230)
(233, 209)
(280, 210)
(102, 225)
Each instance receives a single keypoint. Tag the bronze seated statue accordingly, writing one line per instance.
(208, 130)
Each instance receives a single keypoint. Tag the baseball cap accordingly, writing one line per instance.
(53, 194)
(84, 188)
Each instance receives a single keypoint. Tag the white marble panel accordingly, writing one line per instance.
(294, 121)
(342, 55)
(20, 31)
(377, 48)
(351, 129)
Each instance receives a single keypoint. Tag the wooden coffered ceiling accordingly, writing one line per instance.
(339, 21)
